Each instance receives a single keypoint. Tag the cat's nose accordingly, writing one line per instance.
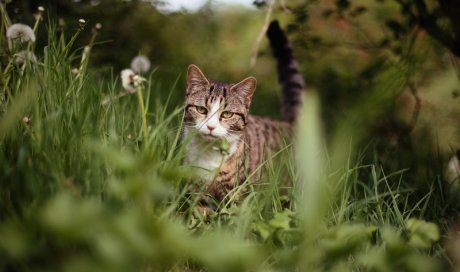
(210, 127)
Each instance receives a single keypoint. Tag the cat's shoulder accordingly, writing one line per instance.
(255, 121)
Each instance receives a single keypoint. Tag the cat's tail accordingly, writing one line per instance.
(289, 76)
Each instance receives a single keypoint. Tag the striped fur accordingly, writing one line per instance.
(217, 112)
(291, 80)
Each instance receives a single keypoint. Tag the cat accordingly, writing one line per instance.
(222, 139)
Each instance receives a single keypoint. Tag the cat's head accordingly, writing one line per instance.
(217, 110)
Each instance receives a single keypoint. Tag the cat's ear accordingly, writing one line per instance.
(195, 76)
(246, 87)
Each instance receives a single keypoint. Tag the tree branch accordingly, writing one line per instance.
(255, 48)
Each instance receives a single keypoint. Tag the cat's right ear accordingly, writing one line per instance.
(195, 76)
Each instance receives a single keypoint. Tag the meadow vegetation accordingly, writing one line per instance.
(87, 185)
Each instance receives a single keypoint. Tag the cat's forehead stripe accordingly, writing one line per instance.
(215, 97)
(217, 91)
(219, 88)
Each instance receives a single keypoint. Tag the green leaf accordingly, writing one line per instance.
(224, 146)
(374, 259)
(422, 234)
(422, 263)
(395, 245)
(281, 221)
(343, 240)
(14, 240)
(262, 229)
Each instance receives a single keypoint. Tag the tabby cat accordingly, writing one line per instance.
(222, 139)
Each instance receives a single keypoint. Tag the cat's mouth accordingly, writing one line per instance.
(209, 136)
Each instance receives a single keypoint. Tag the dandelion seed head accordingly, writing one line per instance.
(127, 80)
(130, 80)
(140, 64)
(98, 26)
(41, 9)
(95, 2)
(25, 56)
(20, 31)
(75, 71)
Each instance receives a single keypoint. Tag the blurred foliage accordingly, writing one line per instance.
(171, 41)
(82, 189)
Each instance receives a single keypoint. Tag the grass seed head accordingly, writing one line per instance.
(82, 23)
(39, 15)
(26, 120)
(61, 22)
(75, 71)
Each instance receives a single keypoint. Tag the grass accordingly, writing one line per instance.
(86, 188)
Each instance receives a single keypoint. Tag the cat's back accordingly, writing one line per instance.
(264, 135)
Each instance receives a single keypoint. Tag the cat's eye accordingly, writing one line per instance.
(226, 114)
(201, 110)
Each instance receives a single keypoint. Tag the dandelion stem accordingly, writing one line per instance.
(30, 47)
(143, 114)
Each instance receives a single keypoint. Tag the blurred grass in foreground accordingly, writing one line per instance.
(82, 190)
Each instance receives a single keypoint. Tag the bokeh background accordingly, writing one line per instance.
(341, 45)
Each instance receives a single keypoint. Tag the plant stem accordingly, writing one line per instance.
(143, 113)
(30, 47)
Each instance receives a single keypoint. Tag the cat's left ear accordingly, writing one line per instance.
(246, 87)
(195, 76)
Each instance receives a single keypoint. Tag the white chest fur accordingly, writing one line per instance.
(205, 156)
